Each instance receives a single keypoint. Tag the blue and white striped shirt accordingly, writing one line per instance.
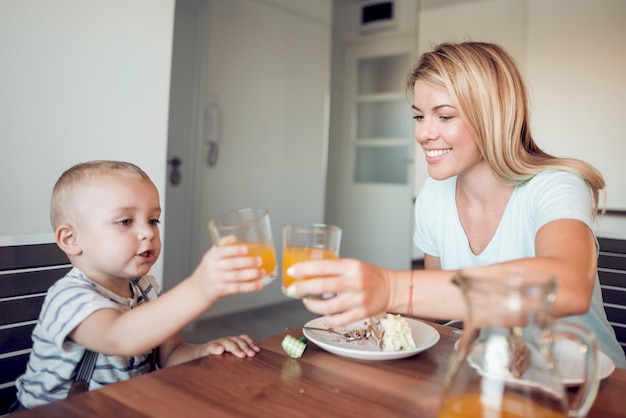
(52, 364)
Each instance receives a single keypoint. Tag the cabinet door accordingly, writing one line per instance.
(373, 198)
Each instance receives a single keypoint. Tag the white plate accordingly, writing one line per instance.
(570, 362)
(424, 336)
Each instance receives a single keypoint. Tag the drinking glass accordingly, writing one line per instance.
(308, 241)
(250, 227)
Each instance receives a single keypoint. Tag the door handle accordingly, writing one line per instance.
(175, 175)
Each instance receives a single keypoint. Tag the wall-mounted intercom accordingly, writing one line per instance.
(377, 15)
(212, 132)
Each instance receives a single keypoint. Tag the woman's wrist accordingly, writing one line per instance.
(409, 308)
(399, 283)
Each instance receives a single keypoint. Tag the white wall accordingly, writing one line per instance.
(576, 70)
(86, 80)
(78, 81)
(573, 54)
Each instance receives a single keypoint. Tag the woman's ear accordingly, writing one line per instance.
(66, 240)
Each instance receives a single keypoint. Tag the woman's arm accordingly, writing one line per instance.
(567, 249)
(431, 263)
(564, 247)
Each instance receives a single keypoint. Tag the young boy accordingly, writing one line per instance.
(105, 215)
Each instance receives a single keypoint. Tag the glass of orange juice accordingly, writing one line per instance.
(250, 227)
(308, 241)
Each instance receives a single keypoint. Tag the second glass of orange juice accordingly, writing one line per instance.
(250, 227)
(304, 242)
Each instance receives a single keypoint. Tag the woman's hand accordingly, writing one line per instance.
(362, 289)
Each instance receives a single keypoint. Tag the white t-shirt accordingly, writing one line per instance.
(548, 196)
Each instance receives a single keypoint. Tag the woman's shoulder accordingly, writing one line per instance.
(554, 178)
(556, 175)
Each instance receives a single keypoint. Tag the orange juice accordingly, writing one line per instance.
(513, 406)
(266, 252)
(293, 255)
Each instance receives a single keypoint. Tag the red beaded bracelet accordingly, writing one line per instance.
(409, 309)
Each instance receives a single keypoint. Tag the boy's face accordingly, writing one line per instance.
(116, 227)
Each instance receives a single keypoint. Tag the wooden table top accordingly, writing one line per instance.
(273, 384)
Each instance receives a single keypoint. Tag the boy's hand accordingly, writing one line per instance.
(227, 270)
(241, 346)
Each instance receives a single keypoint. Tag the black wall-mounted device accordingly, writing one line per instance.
(376, 15)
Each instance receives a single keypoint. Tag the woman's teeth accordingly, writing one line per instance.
(437, 152)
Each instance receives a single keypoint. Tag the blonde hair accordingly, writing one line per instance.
(485, 83)
(68, 185)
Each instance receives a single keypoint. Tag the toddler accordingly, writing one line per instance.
(105, 216)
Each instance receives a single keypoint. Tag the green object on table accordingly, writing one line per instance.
(294, 347)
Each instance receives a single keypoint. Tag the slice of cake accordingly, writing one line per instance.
(397, 333)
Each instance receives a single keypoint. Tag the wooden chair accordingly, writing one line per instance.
(612, 273)
(26, 273)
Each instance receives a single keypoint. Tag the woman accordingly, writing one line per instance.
(493, 197)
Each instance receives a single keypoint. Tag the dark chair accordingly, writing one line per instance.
(26, 273)
(612, 273)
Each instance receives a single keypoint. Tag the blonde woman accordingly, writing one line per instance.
(493, 197)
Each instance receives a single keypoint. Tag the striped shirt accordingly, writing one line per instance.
(54, 359)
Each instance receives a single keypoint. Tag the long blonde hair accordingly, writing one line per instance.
(485, 83)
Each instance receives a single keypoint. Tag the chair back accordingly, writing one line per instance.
(26, 273)
(612, 274)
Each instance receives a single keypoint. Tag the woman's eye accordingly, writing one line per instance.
(418, 117)
(445, 117)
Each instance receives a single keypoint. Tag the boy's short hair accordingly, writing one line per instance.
(67, 184)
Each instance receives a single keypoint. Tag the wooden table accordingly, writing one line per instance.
(272, 384)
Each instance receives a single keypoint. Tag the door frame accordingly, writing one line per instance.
(180, 229)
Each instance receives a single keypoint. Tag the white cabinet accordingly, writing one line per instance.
(382, 135)
(370, 188)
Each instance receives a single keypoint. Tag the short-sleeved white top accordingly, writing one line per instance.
(548, 196)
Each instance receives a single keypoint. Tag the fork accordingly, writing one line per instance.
(345, 335)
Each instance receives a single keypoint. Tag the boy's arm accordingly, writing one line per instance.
(140, 329)
(222, 271)
(175, 351)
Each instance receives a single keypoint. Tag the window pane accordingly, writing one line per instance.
(384, 120)
(383, 74)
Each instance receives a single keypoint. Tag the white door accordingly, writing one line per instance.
(184, 142)
(371, 192)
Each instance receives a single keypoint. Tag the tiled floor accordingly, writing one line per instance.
(258, 323)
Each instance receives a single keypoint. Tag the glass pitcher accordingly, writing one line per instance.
(505, 366)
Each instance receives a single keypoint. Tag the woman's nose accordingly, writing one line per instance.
(425, 131)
